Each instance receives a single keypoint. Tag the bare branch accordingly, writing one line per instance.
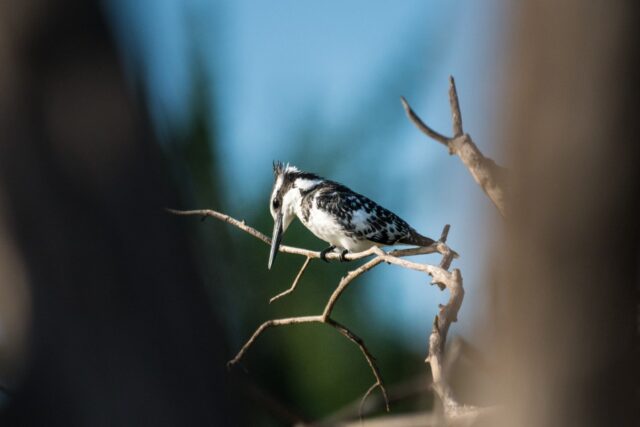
(456, 117)
(490, 176)
(324, 318)
(440, 276)
(370, 359)
(346, 280)
(295, 282)
(204, 213)
(222, 217)
(270, 324)
(448, 314)
(398, 392)
(445, 233)
(364, 400)
(422, 125)
(327, 321)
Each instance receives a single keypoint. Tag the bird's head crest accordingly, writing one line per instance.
(280, 168)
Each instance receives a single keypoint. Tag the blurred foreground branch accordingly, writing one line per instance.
(490, 176)
(454, 412)
(439, 276)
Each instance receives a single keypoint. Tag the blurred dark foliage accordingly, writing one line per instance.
(121, 332)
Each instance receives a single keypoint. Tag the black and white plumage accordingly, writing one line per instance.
(348, 221)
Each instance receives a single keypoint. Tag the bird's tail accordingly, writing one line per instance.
(417, 239)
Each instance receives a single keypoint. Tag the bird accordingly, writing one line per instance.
(348, 221)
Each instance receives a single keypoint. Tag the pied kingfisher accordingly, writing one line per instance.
(348, 221)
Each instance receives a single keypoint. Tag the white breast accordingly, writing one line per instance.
(325, 227)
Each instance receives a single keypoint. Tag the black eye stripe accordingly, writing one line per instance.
(280, 193)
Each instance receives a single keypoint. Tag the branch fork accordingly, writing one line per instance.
(487, 174)
(439, 276)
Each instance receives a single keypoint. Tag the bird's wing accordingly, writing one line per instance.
(362, 217)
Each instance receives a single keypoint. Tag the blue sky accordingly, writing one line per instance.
(280, 68)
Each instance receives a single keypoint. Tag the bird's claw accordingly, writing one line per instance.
(324, 252)
(342, 254)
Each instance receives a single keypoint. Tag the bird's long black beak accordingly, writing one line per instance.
(275, 239)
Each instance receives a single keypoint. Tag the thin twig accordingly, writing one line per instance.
(222, 217)
(456, 117)
(327, 321)
(422, 125)
(346, 280)
(295, 282)
(490, 176)
(398, 392)
(370, 359)
(270, 324)
(364, 400)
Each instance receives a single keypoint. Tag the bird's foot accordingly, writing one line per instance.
(342, 254)
(324, 252)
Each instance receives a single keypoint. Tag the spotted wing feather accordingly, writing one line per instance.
(361, 217)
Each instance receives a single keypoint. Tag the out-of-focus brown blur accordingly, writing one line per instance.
(567, 301)
(119, 328)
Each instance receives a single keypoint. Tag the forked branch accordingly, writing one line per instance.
(440, 276)
(295, 281)
(490, 176)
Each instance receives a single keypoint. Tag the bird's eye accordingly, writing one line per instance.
(276, 204)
